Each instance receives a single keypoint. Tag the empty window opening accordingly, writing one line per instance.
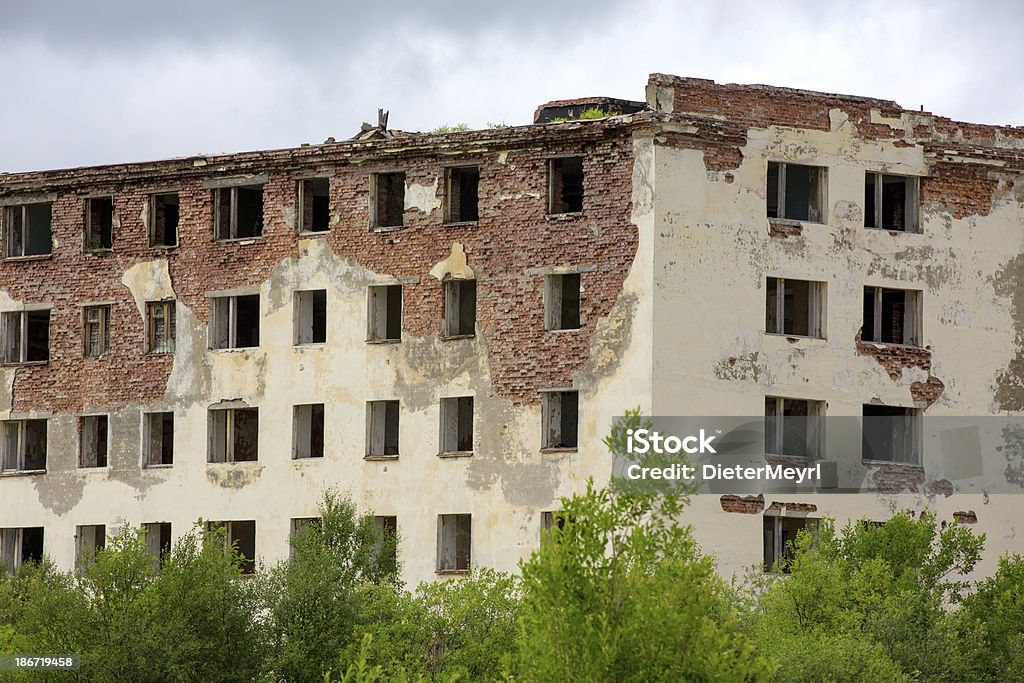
(566, 185)
(26, 336)
(457, 424)
(93, 441)
(18, 546)
(795, 307)
(890, 202)
(314, 205)
(164, 214)
(28, 230)
(892, 316)
(311, 317)
(454, 542)
(387, 529)
(238, 212)
(463, 194)
(793, 426)
(381, 428)
(552, 520)
(562, 301)
(388, 200)
(89, 540)
(99, 223)
(97, 330)
(158, 439)
(459, 308)
(780, 535)
(385, 313)
(560, 414)
(158, 541)
(236, 322)
(160, 326)
(241, 537)
(309, 431)
(234, 434)
(796, 192)
(300, 526)
(24, 445)
(891, 434)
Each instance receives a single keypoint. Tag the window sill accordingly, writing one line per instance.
(310, 234)
(560, 449)
(308, 458)
(166, 353)
(456, 337)
(567, 216)
(31, 257)
(309, 346)
(386, 228)
(383, 341)
(234, 462)
(565, 329)
(100, 252)
(794, 221)
(234, 348)
(452, 572)
(163, 247)
(891, 463)
(455, 454)
(239, 240)
(21, 473)
(18, 364)
(893, 231)
(794, 337)
(159, 466)
(374, 458)
(895, 345)
(459, 224)
(93, 468)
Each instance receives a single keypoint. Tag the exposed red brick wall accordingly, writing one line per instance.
(747, 505)
(961, 189)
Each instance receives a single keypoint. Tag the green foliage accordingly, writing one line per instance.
(313, 601)
(450, 128)
(591, 113)
(493, 126)
(995, 615)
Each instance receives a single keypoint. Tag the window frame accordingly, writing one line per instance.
(450, 423)
(821, 194)
(170, 314)
(452, 295)
(229, 443)
(912, 208)
(147, 438)
(449, 172)
(153, 196)
(22, 447)
(298, 312)
(300, 206)
(547, 416)
(26, 225)
(22, 315)
(814, 435)
(83, 424)
(913, 332)
(442, 543)
(87, 242)
(103, 311)
(377, 430)
(817, 307)
(373, 324)
(375, 189)
(233, 211)
(232, 316)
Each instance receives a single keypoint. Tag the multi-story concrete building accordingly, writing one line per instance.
(444, 325)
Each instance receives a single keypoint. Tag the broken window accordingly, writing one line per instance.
(314, 205)
(385, 313)
(28, 230)
(164, 214)
(890, 434)
(381, 428)
(158, 439)
(796, 192)
(18, 546)
(97, 330)
(311, 316)
(463, 194)
(387, 203)
(158, 541)
(241, 537)
(795, 307)
(236, 322)
(892, 316)
(99, 223)
(160, 326)
(457, 424)
(238, 212)
(308, 431)
(562, 302)
(565, 185)
(551, 520)
(459, 308)
(780, 535)
(560, 415)
(234, 434)
(454, 541)
(890, 202)
(89, 540)
(26, 336)
(793, 426)
(24, 445)
(93, 440)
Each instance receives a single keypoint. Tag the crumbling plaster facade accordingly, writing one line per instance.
(673, 246)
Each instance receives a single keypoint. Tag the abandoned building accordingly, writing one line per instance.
(445, 325)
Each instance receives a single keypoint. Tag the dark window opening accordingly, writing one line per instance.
(165, 214)
(890, 202)
(793, 427)
(561, 419)
(26, 336)
(314, 205)
(159, 435)
(385, 314)
(99, 223)
(97, 330)
(454, 541)
(94, 442)
(24, 446)
(796, 192)
(566, 185)
(239, 537)
(19, 546)
(459, 308)
(890, 434)
(236, 322)
(234, 435)
(89, 539)
(387, 529)
(158, 541)
(463, 194)
(562, 302)
(794, 307)
(891, 316)
(238, 212)
(382, 428)
(311, 320)
(28, 230)
(309, 431)
(457, 424)
(388, 205)
(780, 535)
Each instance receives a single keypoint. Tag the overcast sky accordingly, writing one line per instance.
(128, 80)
